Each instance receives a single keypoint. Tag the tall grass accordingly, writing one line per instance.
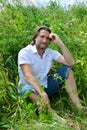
(17, 26)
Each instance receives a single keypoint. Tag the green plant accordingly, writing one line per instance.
(17, 26)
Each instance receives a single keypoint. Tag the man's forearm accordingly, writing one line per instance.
(66, 53)
(33, 82)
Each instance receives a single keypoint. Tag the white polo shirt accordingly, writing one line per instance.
(40, 66)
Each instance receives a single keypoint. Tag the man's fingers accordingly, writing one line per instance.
(52, 36)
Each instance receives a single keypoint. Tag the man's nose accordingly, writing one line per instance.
(44, 39)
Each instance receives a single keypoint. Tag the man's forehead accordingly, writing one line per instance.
(44, 32)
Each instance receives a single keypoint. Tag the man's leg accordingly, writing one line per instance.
(34, 98)
(66, 74)
(71, 88)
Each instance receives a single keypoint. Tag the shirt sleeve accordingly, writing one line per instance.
(55, 55)
(24, 57)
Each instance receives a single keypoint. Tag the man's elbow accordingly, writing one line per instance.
(72, 63)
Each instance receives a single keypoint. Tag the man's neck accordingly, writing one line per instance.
(41, 52)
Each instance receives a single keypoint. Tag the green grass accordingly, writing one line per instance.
(17, 26)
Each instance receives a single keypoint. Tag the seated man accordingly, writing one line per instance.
(35, 62)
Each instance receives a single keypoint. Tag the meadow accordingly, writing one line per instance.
(17, 26)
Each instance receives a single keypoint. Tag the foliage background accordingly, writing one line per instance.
(17, 26)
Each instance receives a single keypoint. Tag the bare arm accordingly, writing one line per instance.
(66, 57)
(27, 70)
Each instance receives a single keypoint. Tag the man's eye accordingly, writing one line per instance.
(42, 36)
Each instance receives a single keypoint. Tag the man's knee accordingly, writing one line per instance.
(69, 70)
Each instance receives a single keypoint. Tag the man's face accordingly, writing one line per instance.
(42, 40)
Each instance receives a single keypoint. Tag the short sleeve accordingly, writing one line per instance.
(55, 55)
(24, 57)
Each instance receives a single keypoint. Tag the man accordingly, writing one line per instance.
(35, 62)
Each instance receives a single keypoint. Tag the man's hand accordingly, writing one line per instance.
(45, 98)
(55, 38)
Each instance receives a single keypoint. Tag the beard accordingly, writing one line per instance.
(42, 46)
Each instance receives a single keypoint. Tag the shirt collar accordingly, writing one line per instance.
(34, 49)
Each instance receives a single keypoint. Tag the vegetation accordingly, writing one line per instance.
(17, 26)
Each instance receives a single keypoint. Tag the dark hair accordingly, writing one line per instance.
(38, 31)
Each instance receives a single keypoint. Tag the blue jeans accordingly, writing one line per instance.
(55, 81)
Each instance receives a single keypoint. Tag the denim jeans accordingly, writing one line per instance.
(56, 80)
